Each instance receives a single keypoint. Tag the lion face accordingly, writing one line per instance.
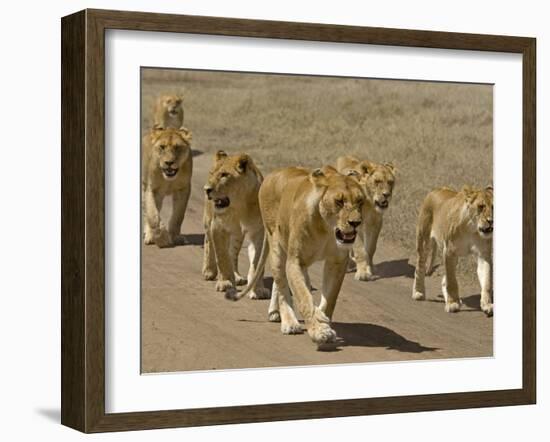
(378, 181)
(172, 105)
(341, 206)
(226, 179)
(480, 205)
(171, 148)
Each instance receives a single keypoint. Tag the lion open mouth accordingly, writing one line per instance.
(345, 237)
(221, 203)
(382, 204)
(169, 172)
(486, 230)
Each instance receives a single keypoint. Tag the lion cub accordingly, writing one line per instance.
(231, 212)
(309, 216)
(377, 180)
(168, 112)
(167, 168)
(459, 223)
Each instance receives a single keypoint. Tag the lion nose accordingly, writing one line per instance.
(386, 194)
(490, 221)
(354, 224)
(169, 163)
(207, 189)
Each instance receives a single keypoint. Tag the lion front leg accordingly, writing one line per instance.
(364, 260)
(280, 307)
(317, 323)
(449, 284)
(254, 252)
(484, 273)
(333, 276)
(221, 239)
(209, 266)
(180, 199)
(236, 245)
(155, 233)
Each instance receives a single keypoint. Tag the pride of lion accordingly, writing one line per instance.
(296, 216)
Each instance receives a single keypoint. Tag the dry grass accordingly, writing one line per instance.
(435, 133)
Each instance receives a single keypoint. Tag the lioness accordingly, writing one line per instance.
(231, 212)
(167, 167)
(459, 223)
(377, 181)
(168, 112)
(309, 216)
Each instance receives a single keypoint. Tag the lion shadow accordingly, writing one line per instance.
(189, 239)
(372, 335)
(394, 269)
(472, 302)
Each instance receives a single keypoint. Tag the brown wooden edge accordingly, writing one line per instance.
(83, 217)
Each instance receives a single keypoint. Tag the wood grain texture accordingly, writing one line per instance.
(83, 220)
(73, 128)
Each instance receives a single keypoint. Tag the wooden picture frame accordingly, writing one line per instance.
(83, 220)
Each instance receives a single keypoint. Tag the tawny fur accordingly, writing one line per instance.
(377, 181)
(168, 112)
(304, 212)
(459, 224)
(164, 151)
(234, 179)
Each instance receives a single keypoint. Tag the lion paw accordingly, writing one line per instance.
(148, 237)
(209, 274)
(260, 293)
(163, 239)
(487, 309)
(294, 328)
(224, 285)
(452, 307)
(274, 316)
(322, 333)
(364, 276)
(240, 280)
(418, 296)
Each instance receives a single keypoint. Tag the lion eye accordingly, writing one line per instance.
(481, 207)
(377, 182)
(162, 147)
(390, 183)
(224, 175)
(339, 202)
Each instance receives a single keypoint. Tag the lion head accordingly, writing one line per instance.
(341, 203)
(479, 206)
(171, 105)
(377, 180)
(231, 179)
(170, 149)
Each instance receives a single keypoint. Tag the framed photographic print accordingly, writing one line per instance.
(269, 220)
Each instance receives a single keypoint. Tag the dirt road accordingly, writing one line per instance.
(187, 325)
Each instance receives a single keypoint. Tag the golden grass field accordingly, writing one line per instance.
(436, 134)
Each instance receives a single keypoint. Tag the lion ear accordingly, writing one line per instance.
(469, 193)
(185, 134)
(220, 154)
(366, 167)
(156, 132)
(242, 163)
(318, 178)
(391, 167)
(489, 188)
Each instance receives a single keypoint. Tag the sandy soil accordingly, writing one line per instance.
(187, 325)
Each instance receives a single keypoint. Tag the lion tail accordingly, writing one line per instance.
(234, 295)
